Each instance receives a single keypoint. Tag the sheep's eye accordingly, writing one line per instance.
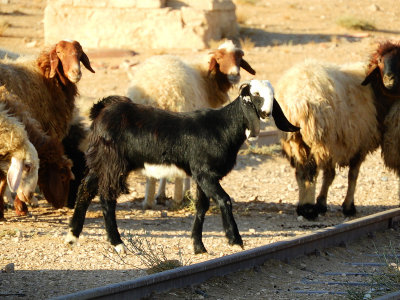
(27, 167)
(257, 94)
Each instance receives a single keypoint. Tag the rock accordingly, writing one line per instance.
(9, 268)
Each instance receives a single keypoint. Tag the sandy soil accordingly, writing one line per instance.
(263, 187)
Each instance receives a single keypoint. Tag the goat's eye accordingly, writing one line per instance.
(257, 94)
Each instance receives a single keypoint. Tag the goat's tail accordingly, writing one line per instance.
(103, 103)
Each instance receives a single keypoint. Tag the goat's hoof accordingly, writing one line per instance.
(21, 209)
(308, 211)
(349, 212)
(70, 239)
(236, 241)
(321, 208)
(120, 249)
(199, 248)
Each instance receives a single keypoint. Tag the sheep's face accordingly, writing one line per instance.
(54, 181)
(29, 177)
(228, 60)
(65, 60)
(385, 67)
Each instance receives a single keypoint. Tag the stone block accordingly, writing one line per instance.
(122, 24)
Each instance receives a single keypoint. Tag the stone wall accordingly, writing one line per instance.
(140, 24)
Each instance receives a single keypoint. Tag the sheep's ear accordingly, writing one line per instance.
(246, 66)
(14, 174)
(280, 119)
(213, 63)
(369, 75)
(54, 60)
(85, 61)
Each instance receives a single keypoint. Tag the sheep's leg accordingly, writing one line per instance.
(3, 185)
(213, 189)
(108, 206)
(348, 206)
(186, 185)
(327, 179)
(202, 205)
(86, 192)
(178, 192)
(161, 196)
(306, 179)
(148, 202)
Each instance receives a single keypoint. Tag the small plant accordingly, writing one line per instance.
(354, 23)
(269, 150)
(151, 254)
(384, 282)
(3, 27)
(246, 43)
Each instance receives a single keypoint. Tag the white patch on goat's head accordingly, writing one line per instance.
(228, 45)
(264, 89)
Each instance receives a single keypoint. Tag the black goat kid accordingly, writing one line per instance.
(204, 144)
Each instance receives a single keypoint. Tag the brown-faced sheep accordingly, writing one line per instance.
(19, 162)
(47, 84)
(167, 82)
(55, 168)
(341, 121)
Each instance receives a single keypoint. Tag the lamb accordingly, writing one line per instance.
(47, 85)
(19, 162)
(167, 82)
(202, 144)
(54, 168)
(341, 121)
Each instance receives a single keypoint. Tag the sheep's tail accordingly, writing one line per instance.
(103, 103)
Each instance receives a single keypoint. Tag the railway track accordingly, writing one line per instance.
(283, 250)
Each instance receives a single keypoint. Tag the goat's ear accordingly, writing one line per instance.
(54, 60)
(280, 119)
(244, 89)
(369, 75)
(85, 61)
(246, 66)
(14, 174)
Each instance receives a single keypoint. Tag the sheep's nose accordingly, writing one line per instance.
(388, 81)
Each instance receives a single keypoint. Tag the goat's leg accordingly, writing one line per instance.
(306, 179)
(202, 205)
(348, 206)
(108, 207)
(186, 185)
(86, 192)
(213, 189)
(148, 202)
(327, 179)
(161, 197)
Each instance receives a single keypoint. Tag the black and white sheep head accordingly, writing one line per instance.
(258, 103)
(228, 59)
(65, 60)
(384, 67)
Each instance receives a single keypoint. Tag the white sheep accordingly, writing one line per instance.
(19, 162)
(167, 82)
(339, 127)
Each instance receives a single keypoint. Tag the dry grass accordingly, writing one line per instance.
(355, 24)
(269, 150)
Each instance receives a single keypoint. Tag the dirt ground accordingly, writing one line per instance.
(263, 187)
